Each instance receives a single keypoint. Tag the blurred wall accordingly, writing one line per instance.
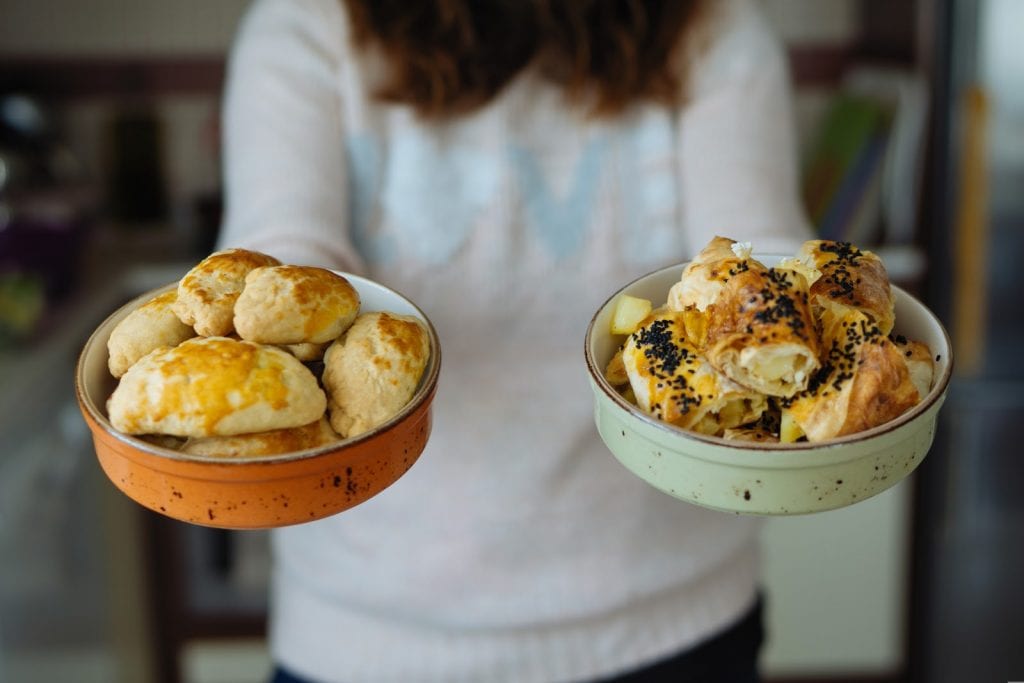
(117, 27)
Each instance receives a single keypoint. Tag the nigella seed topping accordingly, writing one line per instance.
(779, 304)
(845, 251)
(841, 281)
(659, 346)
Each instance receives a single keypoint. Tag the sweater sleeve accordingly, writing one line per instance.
(738, 147)
(284, 158)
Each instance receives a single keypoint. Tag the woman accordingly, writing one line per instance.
(508, 165)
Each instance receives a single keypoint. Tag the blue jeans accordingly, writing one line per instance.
(729, 657)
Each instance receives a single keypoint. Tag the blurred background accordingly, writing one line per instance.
(911, 122)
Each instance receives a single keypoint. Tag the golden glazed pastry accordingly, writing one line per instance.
(704, 278)
(615, 371)
(754, 434)
(373, 370)
(920, 363)
(674, 383)
(864, 382)
(751, 322)
(207, 293)
(215, 386)
(307, 352)
(294, 305)
(818, 359)
(842, 277)
(761, 334)
(274, 442)
(150, 326)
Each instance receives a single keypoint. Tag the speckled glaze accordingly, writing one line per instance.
(756, 478)
(253, 493)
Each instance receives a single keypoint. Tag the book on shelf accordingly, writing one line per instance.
(862, 176)
(842, 181)
(906, 92)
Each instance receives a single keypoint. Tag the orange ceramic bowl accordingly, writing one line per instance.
(257, 492)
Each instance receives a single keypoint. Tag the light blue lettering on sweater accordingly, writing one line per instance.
(421, 195)
(428, 198)
(436, 193)
(649, 186)
(560, 223)
(365, 176)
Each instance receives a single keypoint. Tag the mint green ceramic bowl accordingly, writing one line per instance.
(758, 478)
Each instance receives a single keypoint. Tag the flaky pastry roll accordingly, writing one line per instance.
(864, 382)
(761, 334)
(704, 278)
(753, 323)
(674, 383)
(754, 434)
(843, 277)
(920, 363)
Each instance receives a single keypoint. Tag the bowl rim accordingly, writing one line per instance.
(936, 393)
(423, 394)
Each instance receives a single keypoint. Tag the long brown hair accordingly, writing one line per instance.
(446, 57)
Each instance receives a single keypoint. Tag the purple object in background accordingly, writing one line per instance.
(44, 236)
(44, 216)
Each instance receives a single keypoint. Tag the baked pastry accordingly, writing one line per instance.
(150, 326)
(863, 382)
(920, 363)
(207, 293)
(674, 383)
(809, 341)
(215, 386)
(615, 371)
(754, 434)
(294, 305)
(275, 442)
(372, 371)
(752, 323)
(704, 278)
(761, 334)
(842, 277)
(307, 351)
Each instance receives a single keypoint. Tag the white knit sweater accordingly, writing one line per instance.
(516, 548)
